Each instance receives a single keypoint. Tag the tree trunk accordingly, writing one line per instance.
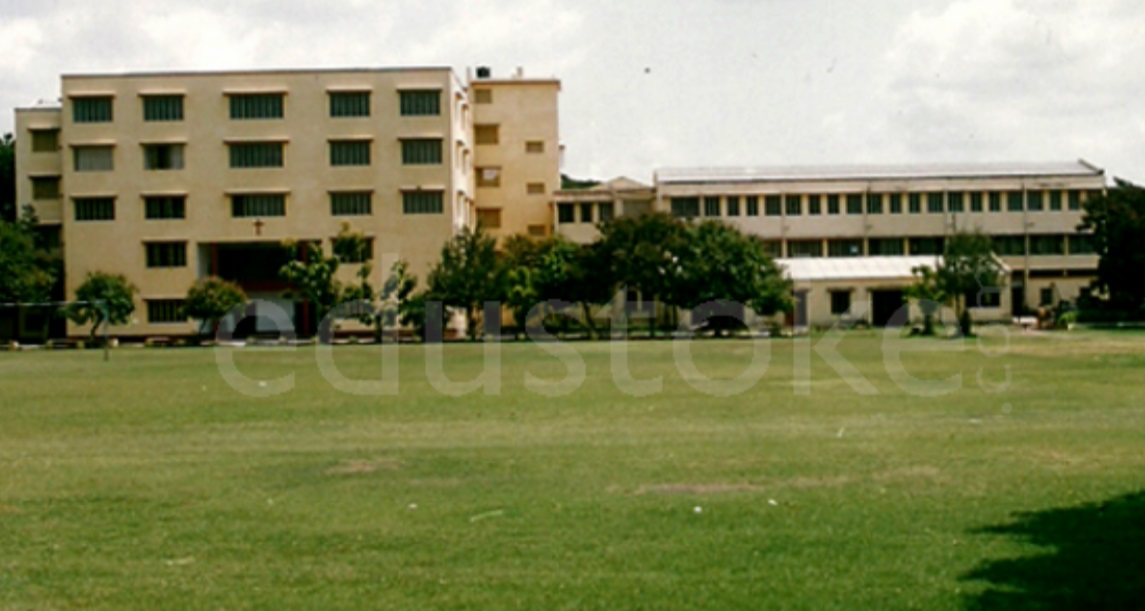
(587, 312)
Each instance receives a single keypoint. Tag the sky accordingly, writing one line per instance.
(652, 84)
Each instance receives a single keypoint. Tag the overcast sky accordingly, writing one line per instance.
(650, 84)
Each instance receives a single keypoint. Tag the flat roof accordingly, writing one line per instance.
(874, 172)
(857, 268)
(253, 71)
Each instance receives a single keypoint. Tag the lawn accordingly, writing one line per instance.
(149, 482)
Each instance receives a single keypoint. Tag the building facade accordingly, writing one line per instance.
(170, 177)
(1031, 211)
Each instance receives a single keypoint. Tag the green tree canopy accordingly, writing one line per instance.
(724, 267)
(209, 300)
(104, 299)
(969, 267)
(8, 207)
(467, 276)
(644, 253)
(25, 275)
(1117, 221)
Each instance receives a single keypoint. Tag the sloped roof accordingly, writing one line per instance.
(620, 183)
(870, 172)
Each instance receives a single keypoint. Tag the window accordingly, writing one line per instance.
(93, 158)
(885, 247)
(163, 156)
(1034, 201)
(349, 152)
(986, 297)
(773, 248)
(258, 204)
(489, 218)
(772, 205)
(488, 177)
(954, 201)
(995, 201)
(349, 104)
(1046, 296)
(487, 134)
(711, 206)
(874, 203)
(934, 203)
(246, 106)
(483, 96)
(976, 202)
(1075, 200)
(535, 146)
(95, 208)
(733, 205)
(566, 213)
(45, 140)
(804, 248)
(166, 254)
(423, 202)
(166, 311)
(1081, 244)
(351, 203)
(537, 231)
(353, 252)
(1014, 201)
(162, 108)
(421, 151)
(814, 204)
(256, 154)
(160, 207)
(605, 211)
(833, 204)
(94, 109)
(896, 203)
(420, 103)
(685, 207)
(1055, 201)
(586, 212)
(793, 205)
(45, 187)
(844, 248)
(926, 246)
(914, 203)
(840, 302)
(535, 188)
(854, 203)
(752, 205)
(1010, 245)
(1047, 245)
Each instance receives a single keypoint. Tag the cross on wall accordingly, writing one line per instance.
(258, 226)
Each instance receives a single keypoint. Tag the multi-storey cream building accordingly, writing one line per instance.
(170, 177)
(1031, 211)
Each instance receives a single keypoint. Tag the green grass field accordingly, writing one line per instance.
(148, 482)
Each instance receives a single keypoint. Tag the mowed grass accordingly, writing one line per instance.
(148, 482)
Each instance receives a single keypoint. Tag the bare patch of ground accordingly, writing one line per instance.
(361, 466)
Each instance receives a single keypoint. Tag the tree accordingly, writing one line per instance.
(210, 299)
(722, 269)
(574, 273)
(8, 206)
(467, 275)
(1117, 222)
(396, 296)
(929, 295)
(313, 275)
(644, 254)
(520, 266)
(25, 275)
(103, 299)
(968, 268)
